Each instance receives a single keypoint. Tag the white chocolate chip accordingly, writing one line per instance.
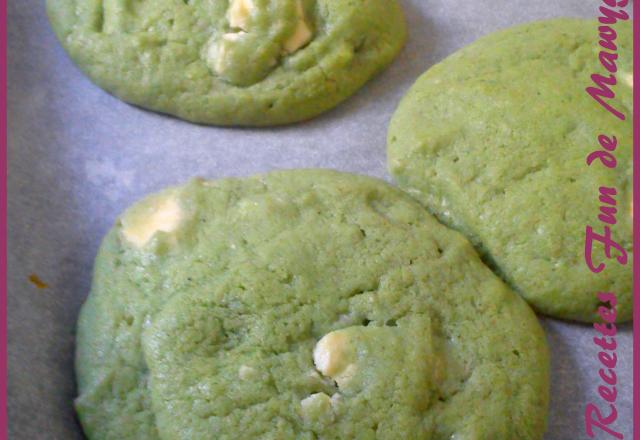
(239, 13)
(159, 213)
(333, 357)
(301, 35)
(235, 36)
(316, 406)
(317, 399)
(329, 353)
(246, 373)
(215, 57)
(217, 52)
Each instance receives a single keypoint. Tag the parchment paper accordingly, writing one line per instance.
(78, 157)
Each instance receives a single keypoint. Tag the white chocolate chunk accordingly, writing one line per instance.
(239, 13)
(301, 35)
(235, 36)
(217, 52)
(332, 356)
(329, 353)
(215, 57)
(316, 400)
(315, 406)
(160, 213)
(247, 373)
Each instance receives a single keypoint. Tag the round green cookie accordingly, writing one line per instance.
(231, 62)
(494, 142)
(302, 305)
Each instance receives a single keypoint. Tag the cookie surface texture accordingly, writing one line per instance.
(299, 305)
(494, 141)
(230, 62)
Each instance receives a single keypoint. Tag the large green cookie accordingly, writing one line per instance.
(494, 141)
(302, 305)
(231, 62)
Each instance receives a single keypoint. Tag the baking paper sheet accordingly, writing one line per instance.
(78, 157)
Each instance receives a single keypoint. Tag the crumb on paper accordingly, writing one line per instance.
(36, 281)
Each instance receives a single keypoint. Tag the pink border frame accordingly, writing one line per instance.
(3, 220)
(636, 224)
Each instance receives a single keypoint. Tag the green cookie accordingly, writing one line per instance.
(230, 62)
(302, 305)
(494, 141)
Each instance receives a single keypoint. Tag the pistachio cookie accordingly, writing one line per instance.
(494, 141)
(230, 62)
(301, 305)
